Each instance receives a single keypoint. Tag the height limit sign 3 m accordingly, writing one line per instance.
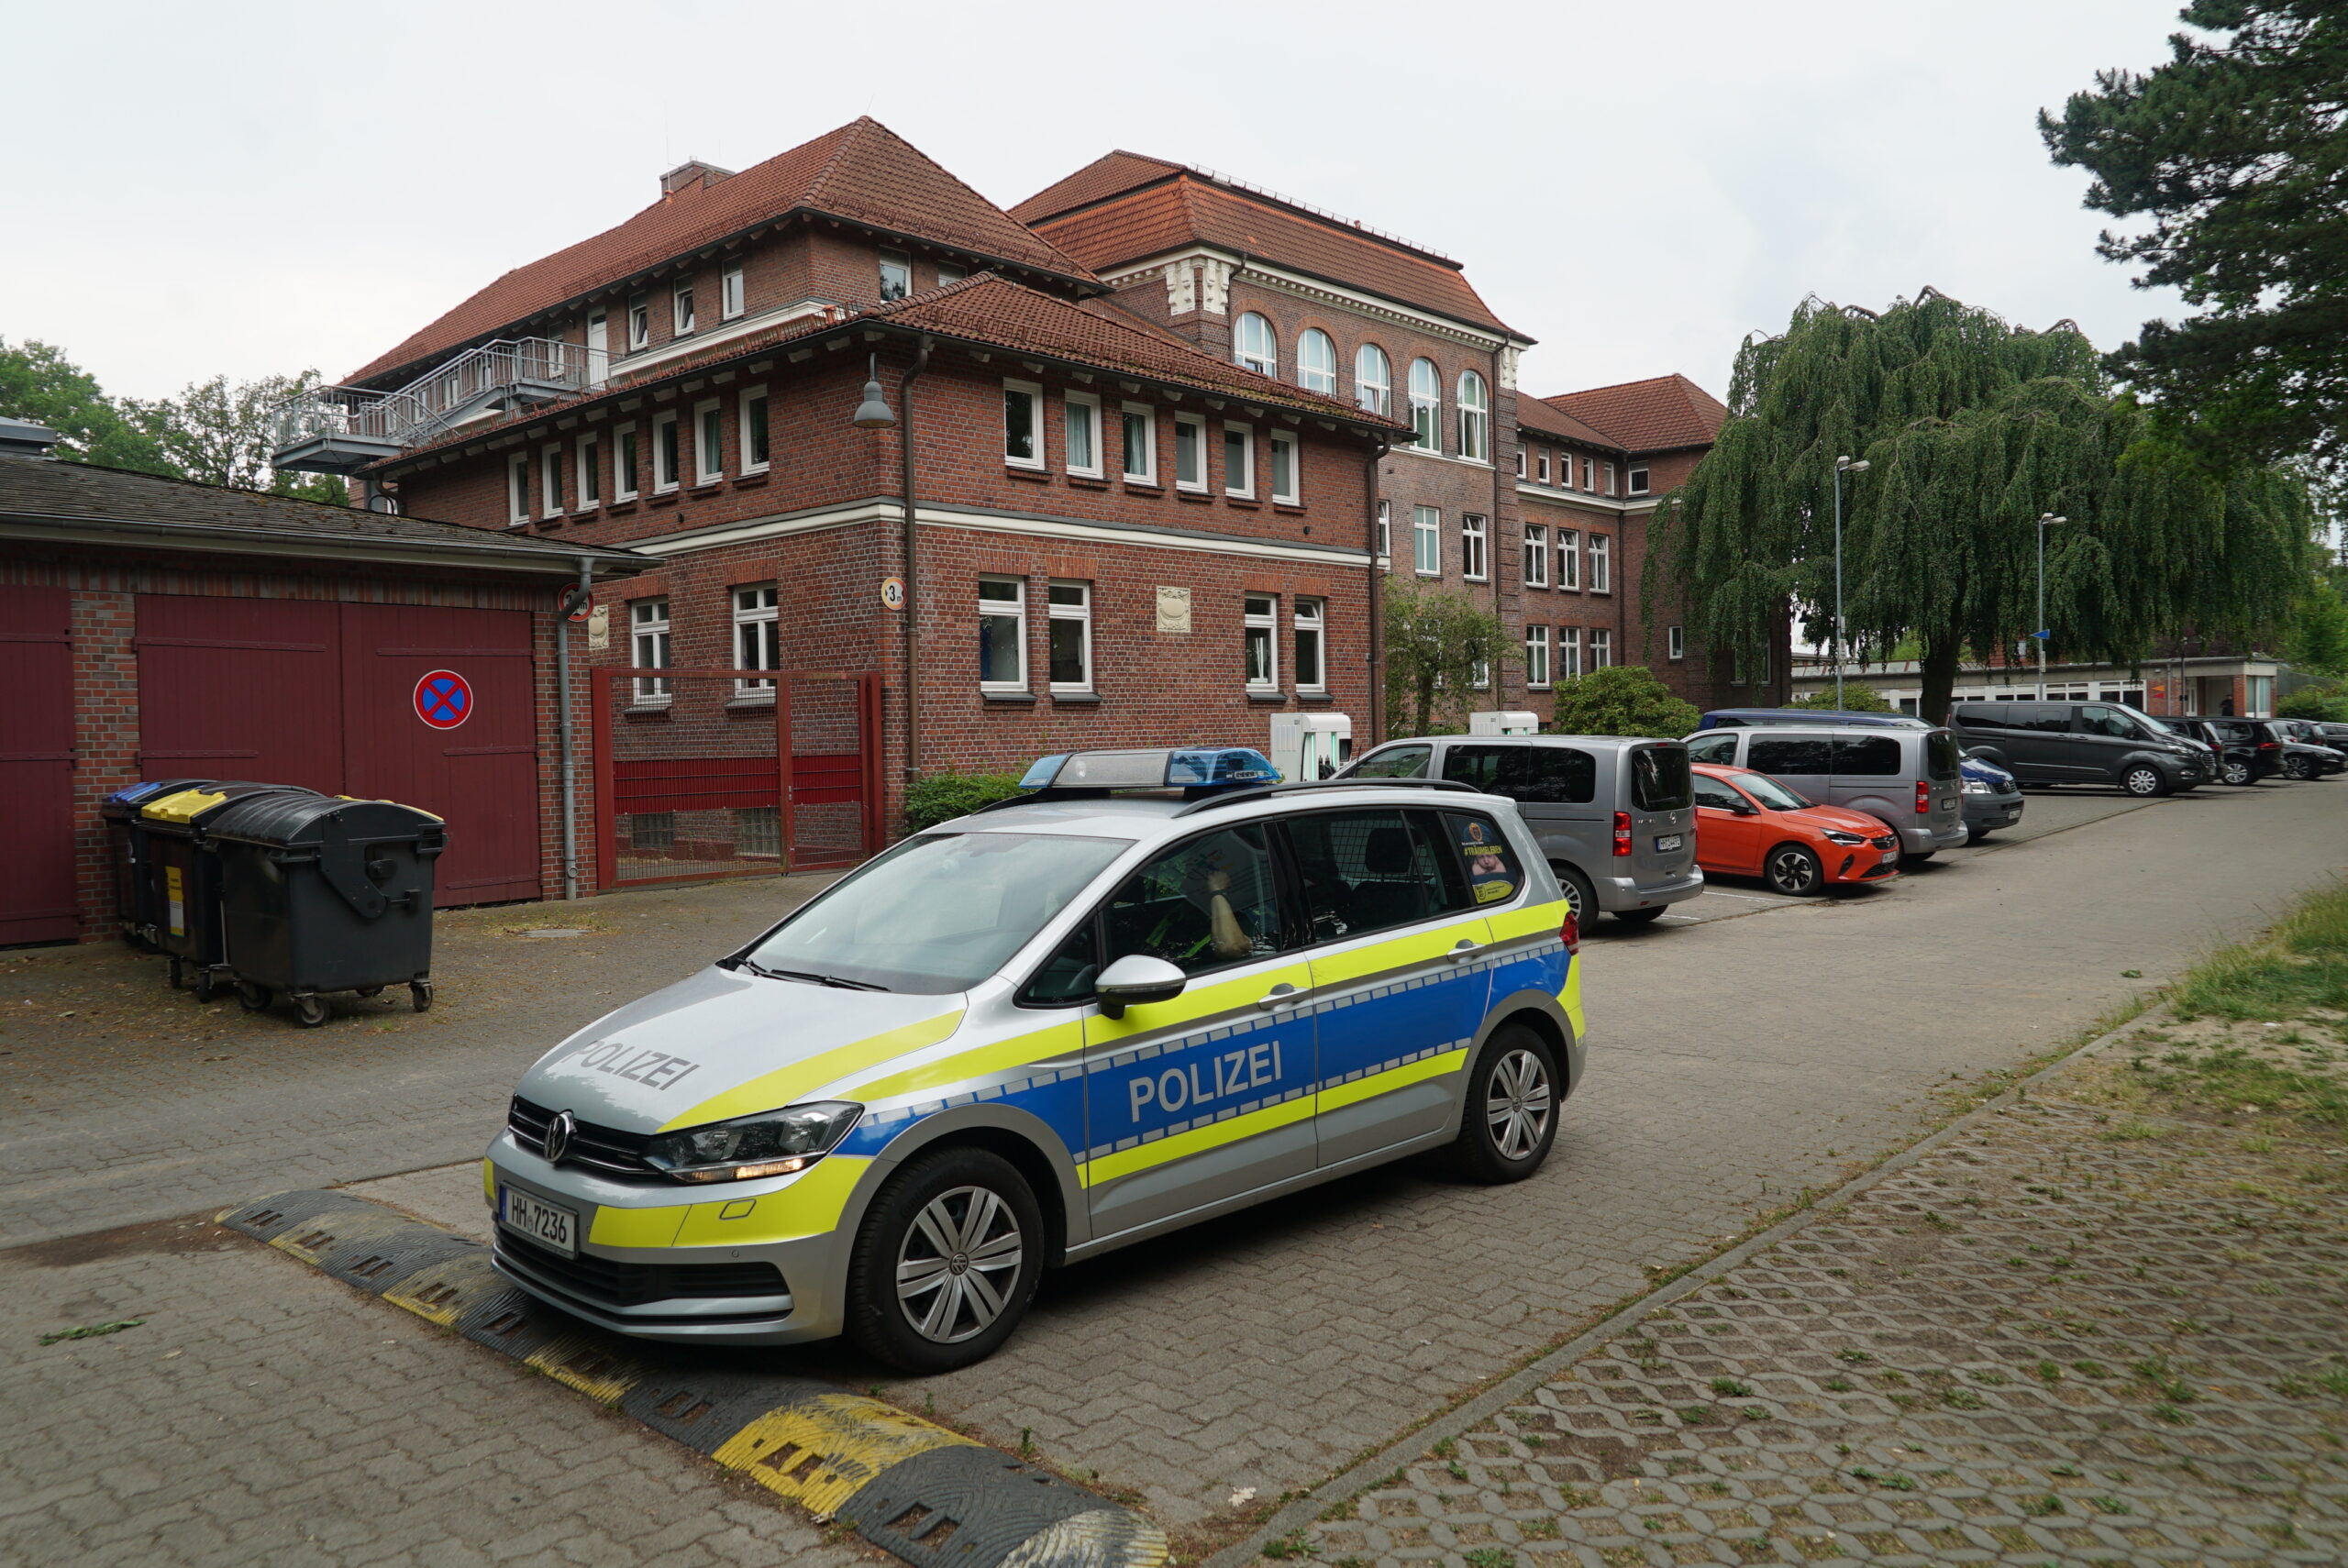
(444, 699)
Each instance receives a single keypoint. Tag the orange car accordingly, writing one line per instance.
(1748, 824)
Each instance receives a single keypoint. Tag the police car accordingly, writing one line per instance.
(1156, 989)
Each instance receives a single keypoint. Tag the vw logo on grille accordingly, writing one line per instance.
(559, 1132)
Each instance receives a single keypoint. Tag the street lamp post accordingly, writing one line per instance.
(2046, 521)
(1841, 467)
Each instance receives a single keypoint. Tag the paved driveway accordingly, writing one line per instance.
(1734, 1061)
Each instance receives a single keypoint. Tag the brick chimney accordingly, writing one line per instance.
(688, 171)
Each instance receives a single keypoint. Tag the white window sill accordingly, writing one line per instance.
(1024, 468)
(665, 488)
(757, 468)
(629, 498)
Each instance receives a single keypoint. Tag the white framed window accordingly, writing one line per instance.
(1474, 418)
(1541, 465)
(896, 275)
(1426, 405)
(709, 442)
(1288, 482)
(1259, 624)
(1238, 460)
(665, 467)
(1189, 452)
(1568, 558)
(517, 488)
(625, 476)
(1316, 362)
(681, 309)
(589, 485)
(1565, 471)
(1312, 617)
(1602, 565)
(1373, 380)
(1254, 347)
(639, 324)
(1569, 653)
(1003, 634)
(730, 296)
(1472, 565)
(1590, 473)
(1386, 531)
(1068, 612)
(1426, 540)
(1080, 433)
(1638, 481)
(550, 481)
(1481, 677)
(649, 648)
(754, 455)
(951, 272)
(1601, 647)
(1537, 554)
(756, 636)
(1610, 479)
(1138, 424)
(1536, 656)
(1023, 424)
(1675, 643)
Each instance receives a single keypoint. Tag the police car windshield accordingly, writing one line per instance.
(937, 914)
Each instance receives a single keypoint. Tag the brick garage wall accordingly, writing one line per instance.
(104, 585)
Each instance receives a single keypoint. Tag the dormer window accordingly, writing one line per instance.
(682, 306)
(896, 275)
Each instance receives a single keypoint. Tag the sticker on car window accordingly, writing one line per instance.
(1492, 869)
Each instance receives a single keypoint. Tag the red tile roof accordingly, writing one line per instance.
(863, 171)
(1538, 417)
(992, 311)
(1125, 206)
(1660, 415)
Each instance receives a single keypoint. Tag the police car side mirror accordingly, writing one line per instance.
(1138, 978)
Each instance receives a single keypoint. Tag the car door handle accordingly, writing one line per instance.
(1279, 996)
(1464, 949)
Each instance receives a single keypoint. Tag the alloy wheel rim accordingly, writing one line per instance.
(1792, 872)
(2141, 781)
(957, 1264)
(1517, 1104)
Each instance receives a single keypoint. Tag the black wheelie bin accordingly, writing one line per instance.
(186, 879)
(321, 893)
(137, 883)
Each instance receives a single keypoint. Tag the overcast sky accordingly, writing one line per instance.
(251, 188)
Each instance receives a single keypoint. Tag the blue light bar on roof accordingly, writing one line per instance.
(1153, 767)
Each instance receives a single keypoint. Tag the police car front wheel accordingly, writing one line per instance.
(947, 1262)
(1511, 1118)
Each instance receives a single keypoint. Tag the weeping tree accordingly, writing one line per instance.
(1971, 428)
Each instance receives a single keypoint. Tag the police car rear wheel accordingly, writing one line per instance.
(947, 1262)
(1512, 1113)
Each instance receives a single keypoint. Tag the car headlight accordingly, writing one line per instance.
(772, 1142)
(1977, 787)
(1835, 835)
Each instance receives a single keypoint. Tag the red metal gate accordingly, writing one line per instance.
(703, 773)
(36, 765)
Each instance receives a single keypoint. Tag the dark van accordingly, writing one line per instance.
(2082, 743)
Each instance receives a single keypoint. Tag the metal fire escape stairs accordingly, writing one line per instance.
(339, 430)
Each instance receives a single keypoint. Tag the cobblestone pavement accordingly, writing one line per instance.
(263, 1414)
(2045, 1341)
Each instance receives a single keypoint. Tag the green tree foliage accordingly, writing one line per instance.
(2233, 150)
(1858, 697)
(1972, 429)
(1436, 644)
(2326, 704)
(1621, 700)
(2317, 637)
(38, 382)
(941, 797)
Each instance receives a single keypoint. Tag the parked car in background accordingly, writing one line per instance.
(1748, 824)
(2268, 745)
(2336, 736)
(2082, 743)
(2329, 758)
(2239, 759)
(1909, 775)
(1611, 813)
(1992, 798)
(1747, 718)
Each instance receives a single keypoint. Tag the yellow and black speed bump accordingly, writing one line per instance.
(932, 1496)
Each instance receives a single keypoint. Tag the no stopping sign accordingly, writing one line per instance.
(444, 699)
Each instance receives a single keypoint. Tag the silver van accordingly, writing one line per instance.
(1909, 777)
(1613, 812)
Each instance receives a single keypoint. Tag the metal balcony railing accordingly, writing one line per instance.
(335, 429)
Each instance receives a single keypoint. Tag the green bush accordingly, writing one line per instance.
(2324, 704)
(942, 797)
(1858, 697)
(1621, 700)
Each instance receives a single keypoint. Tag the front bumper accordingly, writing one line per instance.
(759, 1292)
(1983, 813)
(1628, 893)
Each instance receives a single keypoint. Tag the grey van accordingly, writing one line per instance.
(1907, 776)
(2082, 743)
(1614, 814)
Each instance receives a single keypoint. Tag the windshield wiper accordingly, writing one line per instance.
(811, 978)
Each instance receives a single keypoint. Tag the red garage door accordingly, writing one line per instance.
(324, 695)
(36, 765)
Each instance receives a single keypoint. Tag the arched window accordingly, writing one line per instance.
(1373, 380)
(1426, 404)
(1316, 362)
(1475, 418)
(1258, 348)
